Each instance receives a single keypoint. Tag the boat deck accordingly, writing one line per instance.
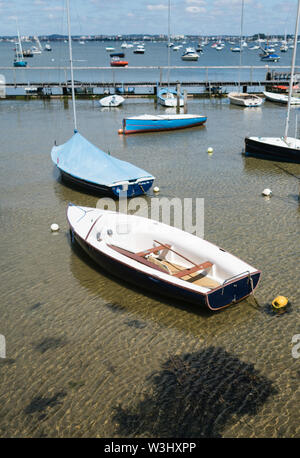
(194, 277)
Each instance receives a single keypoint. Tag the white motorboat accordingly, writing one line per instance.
(112, 101)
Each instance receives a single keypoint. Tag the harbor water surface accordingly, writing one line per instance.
(90, 356)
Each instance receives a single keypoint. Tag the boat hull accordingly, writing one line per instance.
(20, 64)
(135, 126)
(134, 189)
(244, 100)
(217, 299)
(259, 149)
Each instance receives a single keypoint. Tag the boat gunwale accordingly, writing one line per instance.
(181, 286)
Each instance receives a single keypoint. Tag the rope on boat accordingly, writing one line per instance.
(252, 290)
(141, 186)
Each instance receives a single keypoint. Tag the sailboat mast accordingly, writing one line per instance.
(241, 37)
(20, 53)
(169, 8)
(71, 66)
(292, 73)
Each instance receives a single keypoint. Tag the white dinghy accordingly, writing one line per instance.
(112, 101)
(244, 99)
(240, 98)
(161, 258)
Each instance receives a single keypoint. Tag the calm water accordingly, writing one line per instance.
(94, 54)
(90, 356)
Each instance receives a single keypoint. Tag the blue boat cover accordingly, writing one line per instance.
(81, 159)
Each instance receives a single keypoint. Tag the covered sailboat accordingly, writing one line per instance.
(279, 148)
(83, 164)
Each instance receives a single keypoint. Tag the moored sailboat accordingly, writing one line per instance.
(243, 99)
(278, 148)
(157, 123)
(83, 164)
(19, 58)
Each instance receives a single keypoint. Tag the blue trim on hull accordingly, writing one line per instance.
(135, 189)
(144, 125)
(20, 63)
(233, 292)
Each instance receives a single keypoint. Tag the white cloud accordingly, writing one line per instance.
(157, 7)
(198, 2)
(195, 9)
(53, 8)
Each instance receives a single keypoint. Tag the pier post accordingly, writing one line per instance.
(185, 100)
(178, 97)
(160, 76)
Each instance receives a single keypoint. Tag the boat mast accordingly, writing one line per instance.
(71, 66)
(292, 74)
(20, 50)
(242, 19)
(169, 8)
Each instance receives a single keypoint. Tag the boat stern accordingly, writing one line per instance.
(233, 291)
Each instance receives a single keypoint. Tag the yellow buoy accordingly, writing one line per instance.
(120, 131)
(210, 150)
(280, 302)
(156, 189)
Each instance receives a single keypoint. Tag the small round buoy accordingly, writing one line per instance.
(120, 131)
(267, 192)
(280, 302)
(54, 227)
(210, 150)
(156, 189)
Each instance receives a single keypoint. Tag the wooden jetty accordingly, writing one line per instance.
(216, 87)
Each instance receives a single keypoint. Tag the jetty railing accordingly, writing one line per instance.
(145, 76)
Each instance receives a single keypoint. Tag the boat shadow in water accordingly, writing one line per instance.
(80, 253)
(197, 395)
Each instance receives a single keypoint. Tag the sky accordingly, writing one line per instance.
(113, 17)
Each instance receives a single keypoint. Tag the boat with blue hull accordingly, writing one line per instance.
(82, 163)
(19, 57)
(270, 57)
(161, 258)
(157, 123)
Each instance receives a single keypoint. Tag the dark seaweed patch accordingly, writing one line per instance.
(136, 324)
(196, 395)
(114, 307)
(36, 306)
(40, 404)
(74, 384)
(49, 343)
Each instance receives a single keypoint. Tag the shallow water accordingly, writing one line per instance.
(88, 355)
